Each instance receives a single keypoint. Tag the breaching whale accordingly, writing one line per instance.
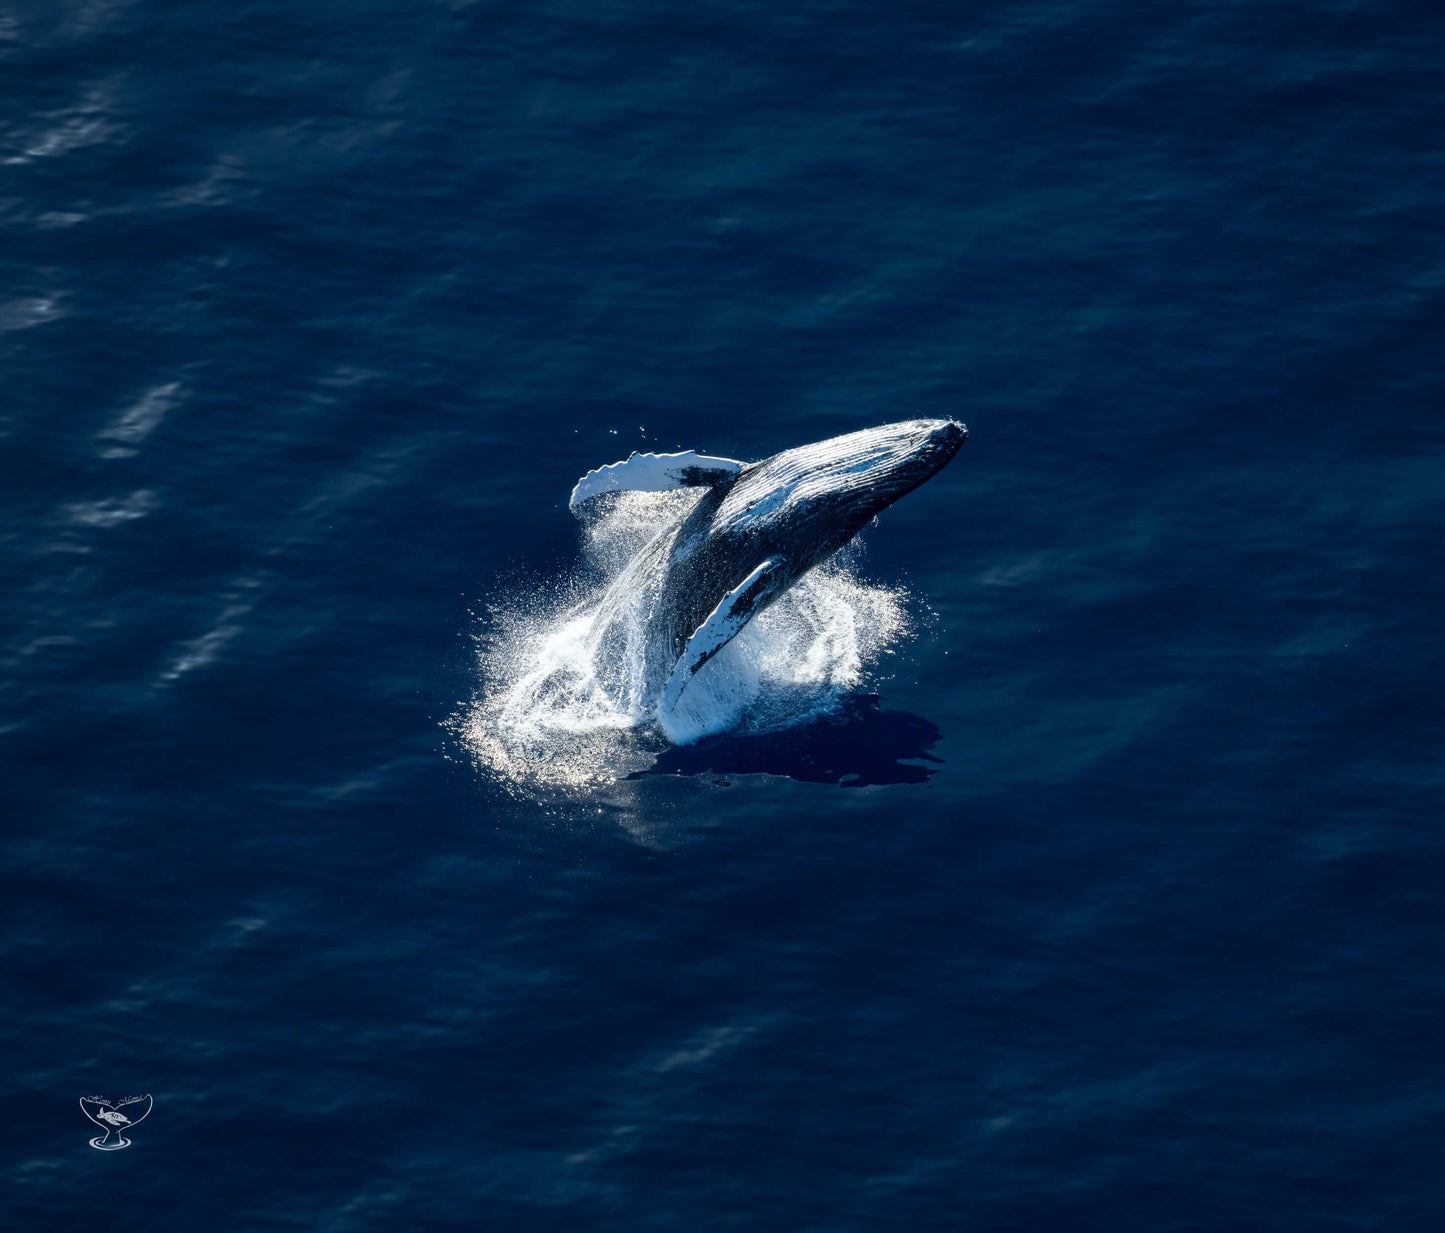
(753, 532)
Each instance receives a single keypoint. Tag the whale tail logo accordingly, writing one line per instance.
(114, 1117)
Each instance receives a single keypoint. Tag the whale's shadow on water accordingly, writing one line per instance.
(858, 745)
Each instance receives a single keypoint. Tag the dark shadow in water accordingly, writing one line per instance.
(858, 745)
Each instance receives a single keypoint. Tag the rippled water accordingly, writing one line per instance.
(1106, 895)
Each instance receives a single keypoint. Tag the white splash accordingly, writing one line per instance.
(565, 699)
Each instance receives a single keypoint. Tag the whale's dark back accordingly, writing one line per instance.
(802, 505)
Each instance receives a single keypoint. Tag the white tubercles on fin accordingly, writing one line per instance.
(654, 473)
(734, 611)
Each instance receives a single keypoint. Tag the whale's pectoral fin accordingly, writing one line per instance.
(654, 473)
(737, 608)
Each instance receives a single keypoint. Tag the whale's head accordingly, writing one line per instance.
(823, 494)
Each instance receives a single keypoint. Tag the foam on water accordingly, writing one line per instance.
(567, 699)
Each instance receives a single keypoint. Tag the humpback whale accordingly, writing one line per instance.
(754, 530)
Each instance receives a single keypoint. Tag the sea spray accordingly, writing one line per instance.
(564, 697)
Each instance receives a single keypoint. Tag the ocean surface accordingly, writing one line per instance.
(1107, 892)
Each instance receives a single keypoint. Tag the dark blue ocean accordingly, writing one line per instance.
(1111, 897)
